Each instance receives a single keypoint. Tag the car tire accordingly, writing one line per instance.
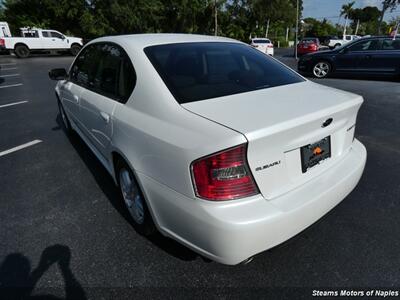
(134, 200)
(75, 49)
(321, 69)
(337, 45)
(64, 118)
(22, 51)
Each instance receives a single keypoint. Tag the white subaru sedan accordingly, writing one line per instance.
(211, 142)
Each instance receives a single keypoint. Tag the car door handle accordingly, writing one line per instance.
(53, 40)
(368, 56)
(105, 116)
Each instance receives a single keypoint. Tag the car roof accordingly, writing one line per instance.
(151, 39)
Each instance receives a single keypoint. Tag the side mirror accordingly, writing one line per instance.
(63, 37)
(58, 74)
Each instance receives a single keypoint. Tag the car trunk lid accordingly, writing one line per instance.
(278, 122)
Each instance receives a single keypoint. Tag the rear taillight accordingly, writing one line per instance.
(224, 175)
(2, 42)
(270, 46)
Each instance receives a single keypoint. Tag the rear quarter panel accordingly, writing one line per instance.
(158, 136)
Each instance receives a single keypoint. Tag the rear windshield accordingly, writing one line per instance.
(199, 71)
(307, 41)
(261, 41)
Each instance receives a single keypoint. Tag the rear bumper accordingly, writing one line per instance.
(230, 232)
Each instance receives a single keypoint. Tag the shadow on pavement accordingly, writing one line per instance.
(111, 191)
(18, 281)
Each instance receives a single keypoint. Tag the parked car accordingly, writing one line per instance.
(264, 45)
(4, 30)
(39, 41)
(308, 45)
(342, 40)
(366, 56)
(210, 141)
(324, 40)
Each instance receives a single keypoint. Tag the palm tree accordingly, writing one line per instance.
(346, 11)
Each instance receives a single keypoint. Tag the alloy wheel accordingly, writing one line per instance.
(132, 197)
(321, 69)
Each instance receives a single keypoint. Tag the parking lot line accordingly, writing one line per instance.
(11, 85)
(6, 69)
(7, 64)
(12, 104)
(9, 75)
(20, 147)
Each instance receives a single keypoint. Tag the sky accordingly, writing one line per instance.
(330, 9)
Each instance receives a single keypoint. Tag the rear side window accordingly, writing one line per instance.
(390, 44)
(45, 34)
(199, 71)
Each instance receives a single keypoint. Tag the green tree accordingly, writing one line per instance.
(367, 17)
(387, 5)
(316, 28)
(92, 18)
(346, 12)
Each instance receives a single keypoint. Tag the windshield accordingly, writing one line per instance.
(199, 71)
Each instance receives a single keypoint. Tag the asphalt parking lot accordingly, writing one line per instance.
(62, 223)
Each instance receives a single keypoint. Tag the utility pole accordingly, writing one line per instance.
(297, 29)
(287, 34)
(215, 18)
(266, 31)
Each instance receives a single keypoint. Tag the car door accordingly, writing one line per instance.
(383, 60)
(108, 90)
(57, 40)
(346, 61)
(349, 58)
(47, 42)
(369, 57)
(80, 75)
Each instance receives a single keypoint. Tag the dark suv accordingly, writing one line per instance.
(366, 56)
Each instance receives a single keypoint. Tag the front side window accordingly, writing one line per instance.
(368, 45)
(56, 35)
(106, 69)
(84, 69)
(199, 71)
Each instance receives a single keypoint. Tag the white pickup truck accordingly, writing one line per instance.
(40, 40)
(333, 43)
